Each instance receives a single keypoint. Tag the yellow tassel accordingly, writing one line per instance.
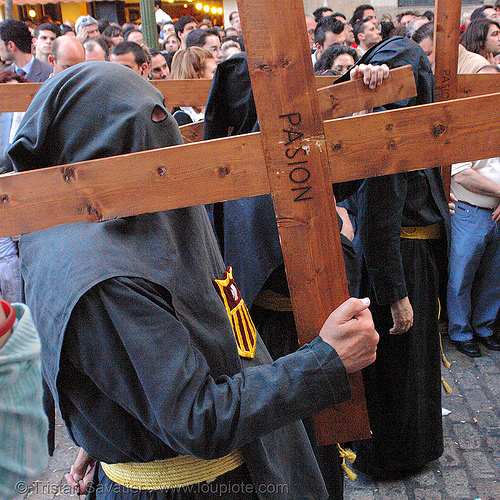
(446, 363)
(351, 456)
(446, 387)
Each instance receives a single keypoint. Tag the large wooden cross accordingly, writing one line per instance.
(295, 158)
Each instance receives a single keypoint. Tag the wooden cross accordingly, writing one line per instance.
(290, 112)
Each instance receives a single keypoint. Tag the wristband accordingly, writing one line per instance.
(11, 317)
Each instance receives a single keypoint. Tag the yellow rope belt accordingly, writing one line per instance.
(432, 232)
(267, 299)
(176, 472)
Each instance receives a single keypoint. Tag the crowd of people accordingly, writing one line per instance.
(146, 309)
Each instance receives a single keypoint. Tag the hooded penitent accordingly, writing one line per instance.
(173, 382)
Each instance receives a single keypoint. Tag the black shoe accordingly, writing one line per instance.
(469, 347)
(492, 342)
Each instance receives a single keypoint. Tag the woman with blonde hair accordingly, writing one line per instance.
(189, 64)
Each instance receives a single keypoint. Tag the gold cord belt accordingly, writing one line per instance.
(432, 232)
(267, 299)
(176, 472)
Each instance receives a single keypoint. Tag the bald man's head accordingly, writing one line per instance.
(66, 52)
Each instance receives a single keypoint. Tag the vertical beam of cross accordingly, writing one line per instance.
(446, 39)
(299, 174)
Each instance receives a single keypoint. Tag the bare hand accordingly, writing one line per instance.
(81, 473)
(451, 203)
(496, 214)
(402, 315)
(82, 34)
(351, 332)
(373, 76)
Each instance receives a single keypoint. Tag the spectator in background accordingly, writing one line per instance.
(129, 26)
(134, 35)
(414, 24)
(322, 12)
(114, 33)
(161, 16)
(206, 39)
(159, 66)
(387, 28)
(168, 28)
(86, 27)
(486, 11)
(234, 19)
(482, 36)
(96, 49)
(15, 48)
(231, 34)
(183, 26)
(329, 31)
(43, 36)
(310, 26)
(407, 16)
(133, 56)
(366, 35)
(191, 63)
(349, 34)
(66, 52)
(363, 12)
(230, 48)
(337, 58)
(171, 43)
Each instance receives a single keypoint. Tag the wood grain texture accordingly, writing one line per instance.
(295, 154)
(132, 184)
(447, 31)
(346, 98)
(192, 132)
(475, 85)
(414, 138)
(17, 96)
(446, 40)
(350, 97)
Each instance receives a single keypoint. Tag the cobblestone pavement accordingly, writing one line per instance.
(468, 470)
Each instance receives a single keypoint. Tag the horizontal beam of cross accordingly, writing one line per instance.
(231, 168)
(425, 136)
(194, 92)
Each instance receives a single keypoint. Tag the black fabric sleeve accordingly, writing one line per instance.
(125, 336)
(380, 209)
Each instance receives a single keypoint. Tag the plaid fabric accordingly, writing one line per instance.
(23, 424)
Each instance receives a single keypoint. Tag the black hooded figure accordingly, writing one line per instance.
(403, 386)
(137, 346)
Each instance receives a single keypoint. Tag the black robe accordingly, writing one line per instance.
(402, 387)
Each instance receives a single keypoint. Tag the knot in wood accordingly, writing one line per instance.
(338, 147)
(389, 126)
(68, 173)
(223, 171)
(437, 130)
(392, 145)
(4, 198)
(266, 68)
(161, 171)
(94, 212)
(334, 102)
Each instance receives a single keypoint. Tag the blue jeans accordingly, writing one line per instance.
(474, 273)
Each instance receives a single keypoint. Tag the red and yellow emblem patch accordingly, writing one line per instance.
(244, 330)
